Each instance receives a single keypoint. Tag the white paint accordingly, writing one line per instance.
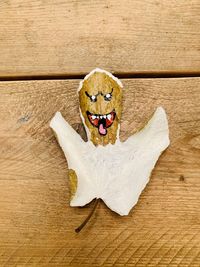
(115, 173)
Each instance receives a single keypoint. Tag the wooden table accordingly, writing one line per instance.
(46, 47)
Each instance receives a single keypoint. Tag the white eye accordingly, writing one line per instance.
(108, 97)
(93, 98)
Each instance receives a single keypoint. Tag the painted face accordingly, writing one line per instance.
(100, 103)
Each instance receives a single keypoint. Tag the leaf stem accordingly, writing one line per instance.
(78, 229)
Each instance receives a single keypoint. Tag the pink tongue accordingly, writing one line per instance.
(102, 130)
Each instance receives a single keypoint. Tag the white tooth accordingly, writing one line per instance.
(93, 117)
(104, 116)
(101, 117)
(97, 117)
(109, 116)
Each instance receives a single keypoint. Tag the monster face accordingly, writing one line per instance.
(100, 98)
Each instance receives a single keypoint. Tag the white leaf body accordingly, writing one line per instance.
(115, 173)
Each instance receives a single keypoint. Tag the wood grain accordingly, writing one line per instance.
(36, 223)
(73, 37)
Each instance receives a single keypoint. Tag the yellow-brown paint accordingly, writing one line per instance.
(72, 182)
(101, 82)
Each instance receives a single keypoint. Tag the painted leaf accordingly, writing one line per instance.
(105, 167)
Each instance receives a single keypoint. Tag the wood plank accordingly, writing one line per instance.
(36, 223)
(73, 37)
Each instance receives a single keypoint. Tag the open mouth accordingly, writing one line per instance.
(101, 121)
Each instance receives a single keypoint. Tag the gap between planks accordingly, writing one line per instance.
(120, 75)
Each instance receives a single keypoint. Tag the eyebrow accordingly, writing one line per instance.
(107, 93)
(90, 95)
(110, 92)
(99, 93)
